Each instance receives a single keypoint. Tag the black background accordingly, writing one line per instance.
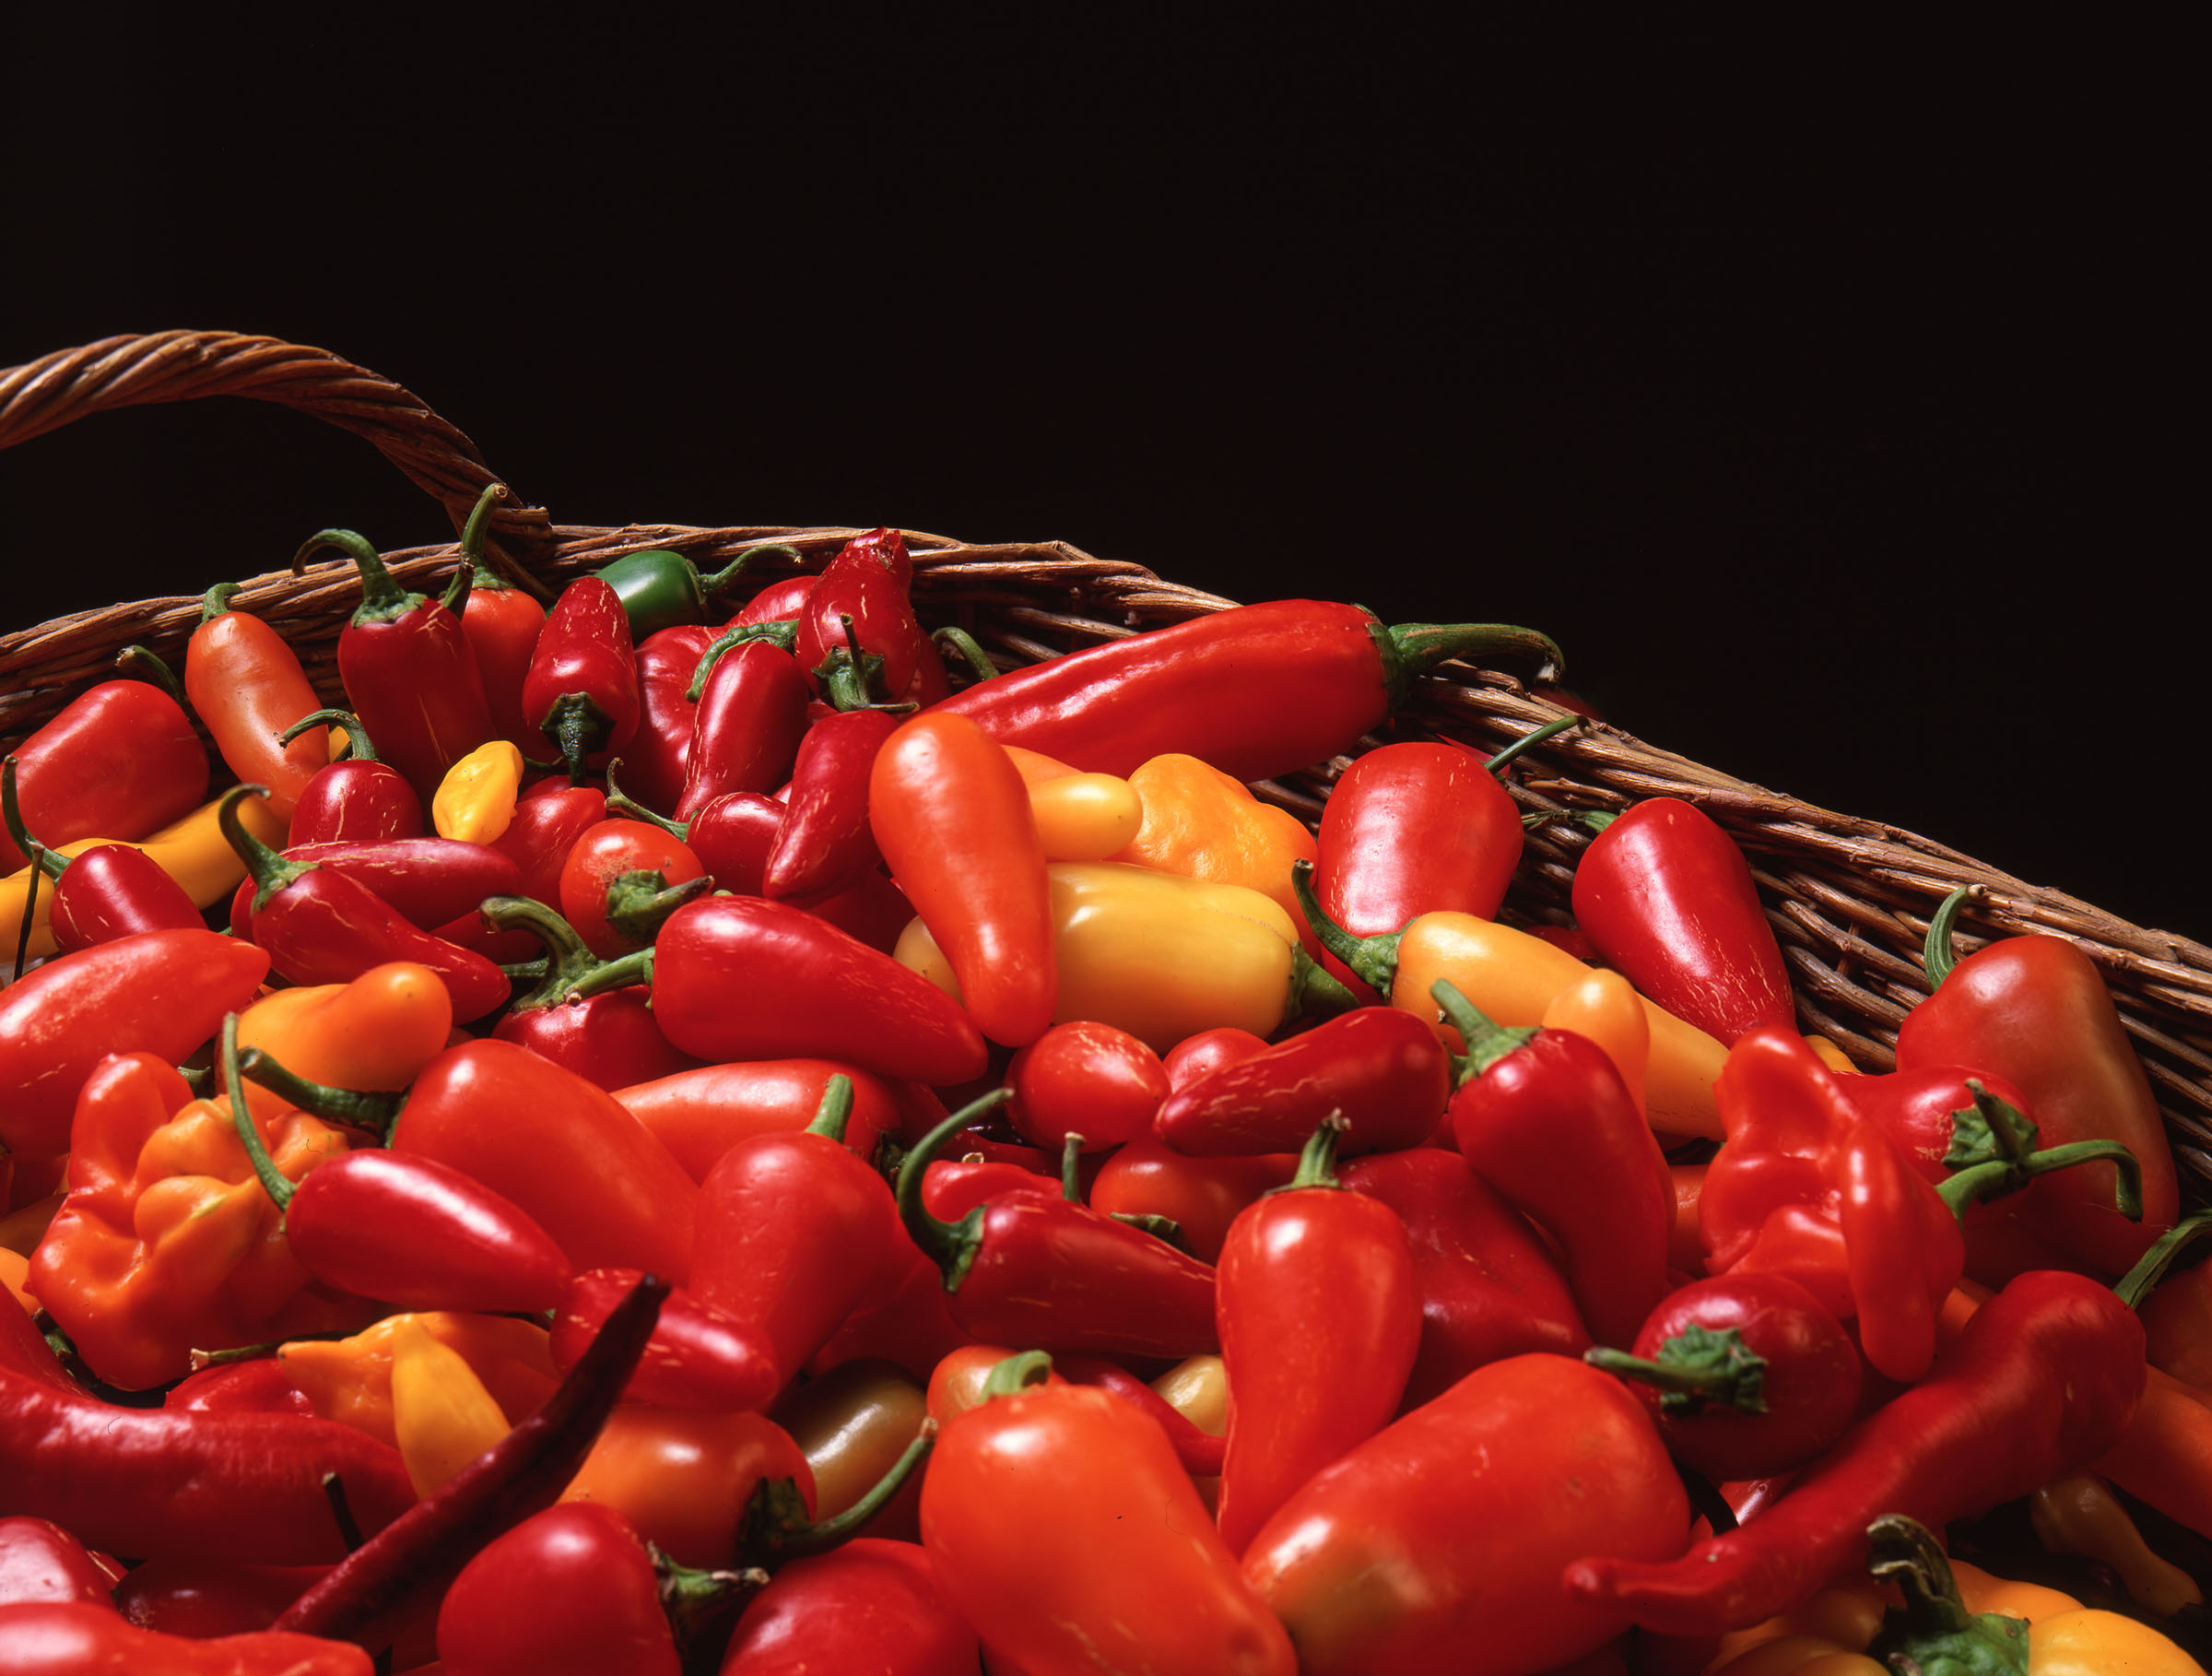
(1829, 399)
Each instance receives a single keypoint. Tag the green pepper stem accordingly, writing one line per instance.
(1934, 1630)
(1695, 1366)
(1993, 1153)
(568, 956)
(621, 803)
(215, 601)
(1595, 821)
(618, 974)
(1314, 990)
(1018, 1374)
(371, 1109)
(776, 1526)
(1071, 1163)
(580, 726)
(1414, 648)
(272, 1180)
(964, 646)
(359, 746)
(950, 1246)
(271, 872)
(1317, 1159)
(835, 1111)
(46, 861)
(782, 633)
(142, 663)
(1488, 1041)
(2151, 1267)
(639, 903)
(1372, 960)
(693, 1598)
(383, 598)
(1530, 740)
(472, 571)
(712, 584)
(1938, 955)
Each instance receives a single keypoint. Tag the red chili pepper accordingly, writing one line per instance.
(1490, 1288)
(162, 992)
(408, 669)
(1207, 1052)
(814, 991)
(906, 1321)
(99, 894)
(951, 1187)
(362, 799)
(581, 686)
(871, 1604)
(2041, 1381)
(501, 623)
(428, 881)
(794, 1231)
(1031, 1267)
(1320, 1315)
(121, 760)
(261, 1385)
(1747, 1374)
(245, 681)
(613, 884)
(1257, 692)
(1544, 1118)
(25, 1353)
(824, 842)
(951, 814)
(780, 601)
(41, 1562)
(414, 1559)
(864, 585)
(1380, 1067)
(320, 927)
(659, 754)
(1201, 1196)
(586, 1170)
(751, 717)
(1088, 1078)
(1065, 1529)
(698, 1357)
(203, 1598)
(69, 1638)
(611, 1039)
(1668, 899)
(1427, 1552)
(2034, 1010)
(700, 1113)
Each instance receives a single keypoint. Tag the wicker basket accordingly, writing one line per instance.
(1848, 897)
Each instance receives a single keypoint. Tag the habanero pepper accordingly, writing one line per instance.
(1199, 822)
(350, 1379)
(1256, 690)
(581, 686)
(951, 816)
(2042, 1380)
(475, 801)
(360, 798)
(408, 668)
(121, 760)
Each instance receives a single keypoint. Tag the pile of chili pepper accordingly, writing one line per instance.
(668, 1137)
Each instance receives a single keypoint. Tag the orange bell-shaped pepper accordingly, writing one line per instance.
(1203, 824)
(351, 1379)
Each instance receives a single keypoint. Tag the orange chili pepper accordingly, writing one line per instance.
(373, 1033)
(350, 1379)
(245, 680)
(1200, 823)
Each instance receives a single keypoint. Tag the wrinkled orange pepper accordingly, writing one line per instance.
(1204, 824)
(474, 802)
(350, 1379)
(442, 1417)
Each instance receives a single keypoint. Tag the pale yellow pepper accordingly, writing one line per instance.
(442, 1417)
(474, 802)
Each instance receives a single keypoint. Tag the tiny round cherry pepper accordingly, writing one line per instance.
(608, 879)
(1085, 1078)
(360, 798)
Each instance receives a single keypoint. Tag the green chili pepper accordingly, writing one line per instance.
(660, 588)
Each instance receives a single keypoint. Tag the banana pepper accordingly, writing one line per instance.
(166, 1241)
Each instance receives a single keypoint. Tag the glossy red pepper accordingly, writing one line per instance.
(1490, 1288)
(1747, 1374)
(1207, 1052)
(107, 891)
(320, 927)
(203, 1599)
(1257, 692)
(362, 799)
(502, 624)
(611, 1039)
(581, 686)
(814, 991)
(752, 715)
(586, 1170)
(865, 584)
(951, 815)
(121, 760)
(261, 1384)
(2042, 1380)
(162, 992)
(1544, 1118)
(824, 842)
(1320, 1314)
(702, 1113)
(869, 1605)
(1031, 1267)
(41, 1562)
(245, 681)
(698, 1357)
(70, 1638)
(1380, 1067)
(658, 753)
(549, 819)
(1668, 899)
(428, 881)
(1201, 1196)
(2033, 1009)
(613, 883)
(408, 668)
(1064, 1529)
(1088, 1078)
(794, 1231)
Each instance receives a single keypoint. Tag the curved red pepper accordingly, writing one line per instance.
(160, 992)
(824, 842)
(870, 1604)
(1257, 692)
(40, 1561)
(611, 1039)
(1668, 899)
(121, 760)
(581, 686)
(2042, 1380)
(107, 891)
(245, 681)
(1381, 1068)
(751, 717)
(408, 669)
(1320, 1317)
(428, 881)
(698, 1357)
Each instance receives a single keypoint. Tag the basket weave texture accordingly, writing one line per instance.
(1848, 897)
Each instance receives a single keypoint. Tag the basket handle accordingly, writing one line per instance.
(127, 371)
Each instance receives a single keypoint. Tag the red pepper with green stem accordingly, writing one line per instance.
(1031, 1267)
(702, 1113)
(408, 668)
(824, 844)
(581, 686)
(1320, 1317)
(1203, 1197)
(1543, 1116)
(1256, 690)
(360, 799)
(245, 681)
(501, 623)
(2034, 1010)
(1668, 899)
(121, 760)
(864, 585)
(751, 717)
(622, 879)
(319, 927)
(101, 893)
(2042, 1380)
(1490, 1288)
(426, 881)
(611, 1039)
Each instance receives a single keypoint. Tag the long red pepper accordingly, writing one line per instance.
(245, 681)
(1668, 899)
(428, 881)
(699, 1356)
(581, 686)
(162, 992)
(413, 1559)
(1257, 691)
(751, 717)
(824, 842)
(107, 891)
(408, 668)
(121, 760)
(1320, 1315)
(658, 753)
(871, 1604)
(2042, 1380)
(501, 623)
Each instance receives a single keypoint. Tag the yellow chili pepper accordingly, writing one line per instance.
(852, 1423)
(1197, 1388)
(442, 1416)
(1158, 955)
(350, 1379)
(475, 801)
(1084, 817)
(373, 1033)
(1205, 824)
